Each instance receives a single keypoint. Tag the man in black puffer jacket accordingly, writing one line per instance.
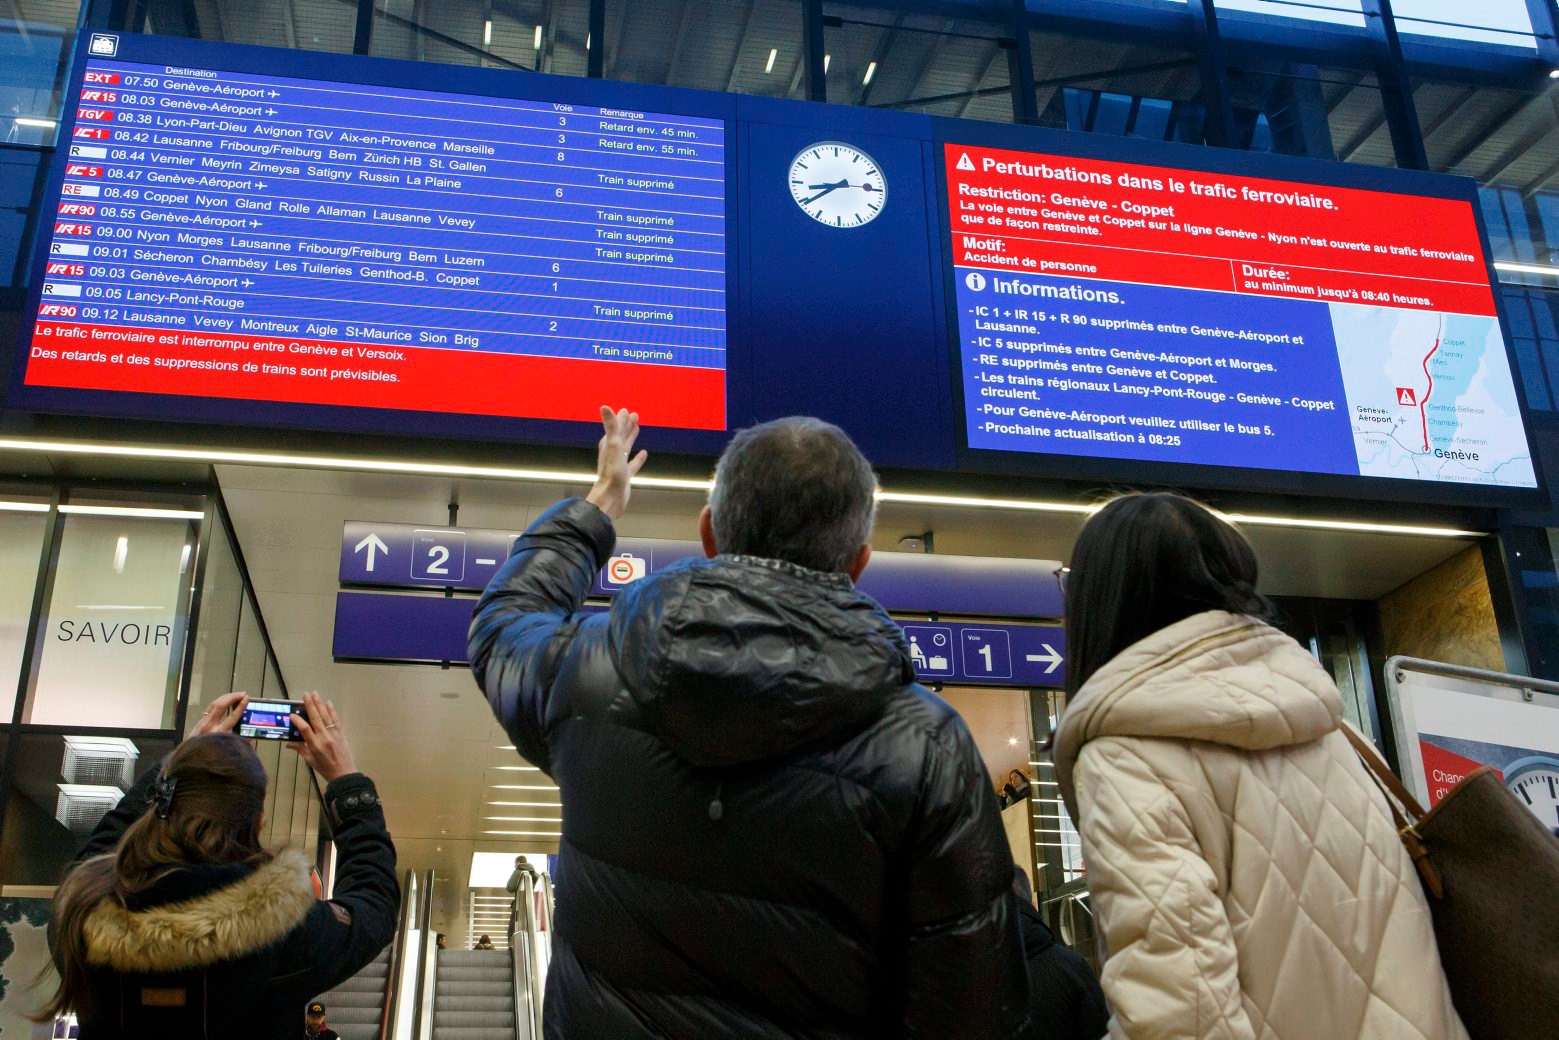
(768, 829)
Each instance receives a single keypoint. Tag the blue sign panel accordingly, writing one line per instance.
(443, 557)
(373, 626)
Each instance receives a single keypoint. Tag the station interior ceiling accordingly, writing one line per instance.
(928, 61)
(425, 734)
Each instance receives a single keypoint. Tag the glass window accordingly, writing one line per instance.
(941, 66)
(112, 645)
(1334, 12)
(35, 37)
(318, 26)
(216, 632)
(539, 35)
(23, 523)
(1298, 108)
(249, 662)
(1126, 89)
(1507, 22)
(749, 48)
(63, 786)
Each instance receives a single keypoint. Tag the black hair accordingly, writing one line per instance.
(1144, 562)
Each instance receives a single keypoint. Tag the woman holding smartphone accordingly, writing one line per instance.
(175, 922)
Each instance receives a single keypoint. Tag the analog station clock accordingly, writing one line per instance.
(1535, 783)
(837, 184)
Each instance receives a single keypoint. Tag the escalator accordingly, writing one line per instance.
(355, 1009)
(473, 995)
(464, 994)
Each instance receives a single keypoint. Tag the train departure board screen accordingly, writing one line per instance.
(233, 235)
(1117, 310)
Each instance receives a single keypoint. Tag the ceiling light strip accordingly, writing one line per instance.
(137, 511)
(211, 456)
(24, 507)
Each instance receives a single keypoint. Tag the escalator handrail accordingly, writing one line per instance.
(403, 935)
(427, 979)
(527, 1002)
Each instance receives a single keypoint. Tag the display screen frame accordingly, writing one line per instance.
(388, 73)
(1195, 159)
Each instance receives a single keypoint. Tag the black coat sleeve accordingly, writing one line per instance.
(962, 972)
(339, 937)
(525, 619)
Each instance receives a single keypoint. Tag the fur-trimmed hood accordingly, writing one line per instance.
(229, 922)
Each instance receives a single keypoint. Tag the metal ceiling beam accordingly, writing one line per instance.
(676, 51)
(1491, 128)
(1396, 89)
(931, 58)
(1219, 125)
(1020, 67)
(813, 74)
(289, 14)
(879, 54)
(741, 44)
(615, 47)
(1514, 154)
(595, 40)
(985, 70)
(1538, 183)
(1360, 139)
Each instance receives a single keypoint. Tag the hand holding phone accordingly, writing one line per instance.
(324, 745)
(271, 720)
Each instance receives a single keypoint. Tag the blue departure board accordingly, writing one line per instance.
(235, 235)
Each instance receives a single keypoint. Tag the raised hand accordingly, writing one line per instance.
(615, 463)
(221, 715)
(324, 746)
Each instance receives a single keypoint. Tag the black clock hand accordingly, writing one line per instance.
(826, 189)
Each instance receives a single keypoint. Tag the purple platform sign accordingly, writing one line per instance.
(387, 626)
(408, 556)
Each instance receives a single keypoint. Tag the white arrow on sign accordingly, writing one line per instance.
(373, 543)
(1049, 657)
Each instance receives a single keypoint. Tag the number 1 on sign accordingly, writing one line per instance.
(985, 652)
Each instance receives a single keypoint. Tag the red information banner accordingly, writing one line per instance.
(275, 368)
(1130, 223)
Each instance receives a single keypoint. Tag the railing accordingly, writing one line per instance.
(528, 987)
(427, 982)
(400, 1008)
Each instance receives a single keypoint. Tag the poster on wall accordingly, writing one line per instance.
(1452, 720)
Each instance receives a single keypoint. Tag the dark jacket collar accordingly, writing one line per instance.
(188, 882)
(738, 659)
(1037, 936)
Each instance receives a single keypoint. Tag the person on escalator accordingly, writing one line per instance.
(176, 923)
(522, 867)
(314, 1025)
(810, 846)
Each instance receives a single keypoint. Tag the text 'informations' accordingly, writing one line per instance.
(1139, 312)
(234, 235)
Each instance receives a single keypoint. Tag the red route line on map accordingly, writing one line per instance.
(1423, 405)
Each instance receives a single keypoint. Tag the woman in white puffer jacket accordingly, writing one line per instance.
(1244, 867)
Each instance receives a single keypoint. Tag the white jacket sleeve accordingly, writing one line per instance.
(1172, 972)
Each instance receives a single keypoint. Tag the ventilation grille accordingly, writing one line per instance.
(81, 806)
(100, 761)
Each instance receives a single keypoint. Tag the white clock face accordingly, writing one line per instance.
(1535, 783)
(838, 185)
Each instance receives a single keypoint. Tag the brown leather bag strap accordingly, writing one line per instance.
(1372, 761)
(1402, 805)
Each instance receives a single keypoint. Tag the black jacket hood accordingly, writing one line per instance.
(739, 659)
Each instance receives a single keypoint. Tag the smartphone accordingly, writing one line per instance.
(271, 720)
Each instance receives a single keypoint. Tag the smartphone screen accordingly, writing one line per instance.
(270, 720)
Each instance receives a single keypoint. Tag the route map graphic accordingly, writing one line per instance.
(1120, 310)
(1433, 399)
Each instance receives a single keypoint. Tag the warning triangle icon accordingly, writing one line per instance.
(1405, 396)
(964, 163)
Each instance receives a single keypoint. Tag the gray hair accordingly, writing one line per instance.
(795, 489)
